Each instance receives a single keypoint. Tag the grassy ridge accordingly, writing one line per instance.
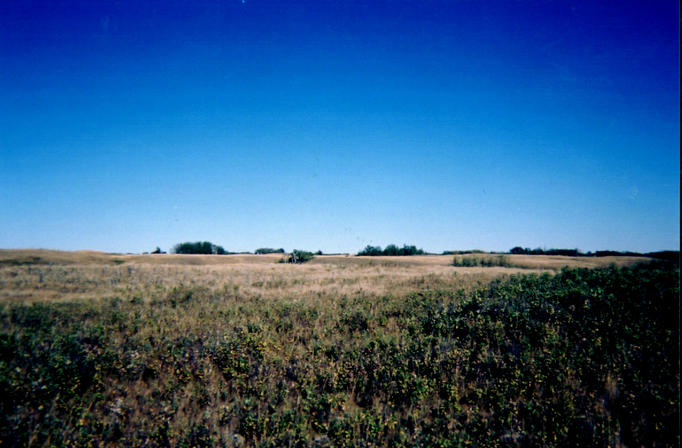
(582, 358)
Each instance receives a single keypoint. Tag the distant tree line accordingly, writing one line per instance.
(668, 255)
(518, 250)
(464, 252)
(199, 247)
(390, 250)
(298, 256)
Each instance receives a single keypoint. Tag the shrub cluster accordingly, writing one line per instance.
(518, 250)
(481, 260)
(268, 250)
(298, 257)
(199, 247)
(390, 250)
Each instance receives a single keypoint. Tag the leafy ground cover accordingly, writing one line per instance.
(580, 358)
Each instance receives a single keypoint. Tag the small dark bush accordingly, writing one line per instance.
(481, 260)
(298, 257)
(268, 250)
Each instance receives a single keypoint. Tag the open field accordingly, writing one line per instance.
(34, 275)
(238, 350)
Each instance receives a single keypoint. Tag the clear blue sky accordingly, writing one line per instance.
(332, 125)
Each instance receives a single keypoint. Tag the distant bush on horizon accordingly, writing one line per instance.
(518, 250)
(298, 257)
(268, 250)
(464, 252)
(390, 250)
(483, 260)
(667, 255)
(199, 247)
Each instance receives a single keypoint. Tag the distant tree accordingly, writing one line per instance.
(158, 251)
(199, 247)
(391, 250)
(410, 250)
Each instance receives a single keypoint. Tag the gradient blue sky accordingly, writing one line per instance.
(332, 125)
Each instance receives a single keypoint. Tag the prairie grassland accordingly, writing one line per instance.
(35, 275)
(238, 350)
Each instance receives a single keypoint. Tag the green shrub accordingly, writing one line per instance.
(268, 250)
(391, 250)
(481, 260)
(199, 247)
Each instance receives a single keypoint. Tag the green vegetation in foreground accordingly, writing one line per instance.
(583, 358)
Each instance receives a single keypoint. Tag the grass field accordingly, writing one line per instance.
(36, 275)
(239, 350)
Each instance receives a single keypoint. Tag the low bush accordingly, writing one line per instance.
(481, 260)
(268, 250)
(391, 250)
(298, 257)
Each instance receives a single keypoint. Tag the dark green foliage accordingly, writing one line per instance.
(581, 358)
(518, 250)
(671, 256)
(199, 247)
(463, 252)
(158, 251)
(481, 260)
(298, 257)
(665, 255)
(268, 250)
(371, 251)
(391, 249)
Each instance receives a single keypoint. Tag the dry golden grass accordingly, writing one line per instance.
(35, 275)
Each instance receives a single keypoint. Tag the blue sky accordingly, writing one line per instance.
(333, 125)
